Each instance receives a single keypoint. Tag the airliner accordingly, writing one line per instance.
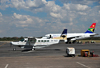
(76, 36)
(33, 43)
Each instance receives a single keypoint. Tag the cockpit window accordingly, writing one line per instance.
(31, 40)
(22, 40)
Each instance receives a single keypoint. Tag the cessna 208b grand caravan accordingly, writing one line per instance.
(32, 43)
(76, 36)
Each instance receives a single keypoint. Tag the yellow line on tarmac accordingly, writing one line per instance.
(2, 44)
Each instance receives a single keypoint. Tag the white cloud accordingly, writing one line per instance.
(18, 16)
(82, 13)
(26, 20)
(31, 5)
(44, 1)
(55, 15)
(99, 12)
(81, 7)
(75, 7)
(67, 6)
(4, 4)
(83, 2)
(0, 14)
(3, 1)
(71, 16)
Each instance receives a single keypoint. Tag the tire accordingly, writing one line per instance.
(14, 49)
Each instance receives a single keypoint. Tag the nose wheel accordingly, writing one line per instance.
(14, 49)
(33, 48)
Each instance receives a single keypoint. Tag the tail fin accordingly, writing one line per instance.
(63, 35)
(91, 29)
(64, 32)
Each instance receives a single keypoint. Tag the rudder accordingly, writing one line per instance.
(91, 29)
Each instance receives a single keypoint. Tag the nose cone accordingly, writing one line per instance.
(10, 43)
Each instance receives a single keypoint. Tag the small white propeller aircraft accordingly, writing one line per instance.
(33, 43)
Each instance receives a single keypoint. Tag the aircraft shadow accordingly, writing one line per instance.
(26, 50)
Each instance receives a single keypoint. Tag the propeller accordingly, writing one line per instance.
(11, 44)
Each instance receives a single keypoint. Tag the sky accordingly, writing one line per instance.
(39, 17)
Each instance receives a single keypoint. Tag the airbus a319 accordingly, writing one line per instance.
(75, 36)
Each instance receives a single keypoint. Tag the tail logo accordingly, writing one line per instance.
(93, 25)
(91, 29)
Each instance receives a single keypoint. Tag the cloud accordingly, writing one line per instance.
(0, 14)
(83, 2)
(26, 20)
(75, 6)
(99, 12)
(34, 6)
(82, 13)
(1, 17)
(4, 4)
(55, 15)
(72, 15)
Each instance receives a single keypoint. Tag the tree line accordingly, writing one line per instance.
(20, 38)
(10, 38)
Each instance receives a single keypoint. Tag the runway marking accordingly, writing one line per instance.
(6, 65)
(82, 64)
(2, 44)
(28, 52)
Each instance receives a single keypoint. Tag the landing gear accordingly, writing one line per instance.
(69, 42)
(33, 48)
(74, 41)
(14, 49)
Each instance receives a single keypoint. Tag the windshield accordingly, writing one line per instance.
(31, 40)
(22, 40)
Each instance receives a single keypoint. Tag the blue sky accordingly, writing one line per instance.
(39, 17)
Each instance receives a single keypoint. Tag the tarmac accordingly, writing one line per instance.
(53, 56)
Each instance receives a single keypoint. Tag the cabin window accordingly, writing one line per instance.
(55, 40)
(44, 40)
(51, 40)
(41, 40)
(38, 40)
(47, 40)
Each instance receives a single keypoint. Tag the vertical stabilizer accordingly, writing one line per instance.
(63, 35)
(91, 29)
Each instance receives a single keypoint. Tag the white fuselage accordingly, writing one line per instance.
(73, 36)
(37, 43)
(45, 42)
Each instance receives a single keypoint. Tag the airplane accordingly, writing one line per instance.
(33, 43)
(76, 36)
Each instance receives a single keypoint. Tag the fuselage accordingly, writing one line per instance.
(76, 36)
(36, 43)
(45, 42)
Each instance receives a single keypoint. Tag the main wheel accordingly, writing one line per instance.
(14, 49)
